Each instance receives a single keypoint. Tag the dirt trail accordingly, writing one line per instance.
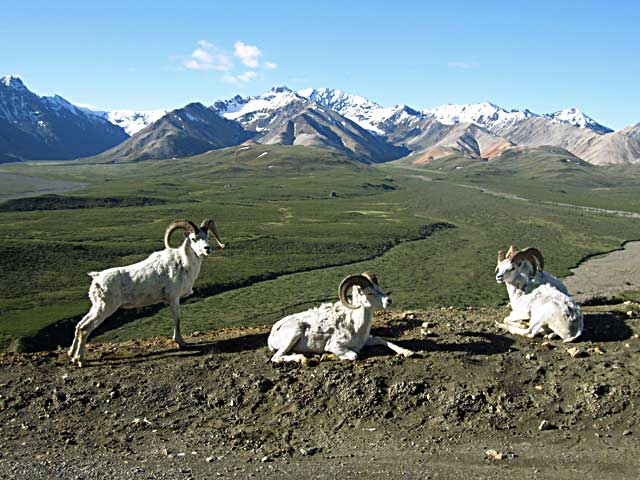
(142, 409)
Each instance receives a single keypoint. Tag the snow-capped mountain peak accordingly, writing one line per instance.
(575, 117)
(281, 89)
(366, 113)
(12, 81)
(485, 114)
(256, 107)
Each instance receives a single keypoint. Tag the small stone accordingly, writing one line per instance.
(308, 452)
(210, 459)
(575, 352)
(494, 455)
(626, 433)
(266, 458)
(428, 324)
(539, 387)
(530, 356)
(545, 425)
(632, 313)
(627, 345)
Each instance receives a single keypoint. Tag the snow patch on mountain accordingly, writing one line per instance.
(369, 115)
(485, 114)
(132, 121)
(258, 106)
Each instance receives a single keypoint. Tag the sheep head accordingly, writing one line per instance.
(517, 267)
(366, 292)
(197, 237)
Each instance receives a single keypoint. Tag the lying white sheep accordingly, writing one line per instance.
(522, 271)
(341, 328)
(164, 276)
(537, 295)
(551, 312)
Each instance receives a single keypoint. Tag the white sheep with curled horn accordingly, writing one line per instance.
(537, 296)
(342, 328)
(164, 276)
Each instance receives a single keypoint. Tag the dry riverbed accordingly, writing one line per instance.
(471, 404)
(607, 275)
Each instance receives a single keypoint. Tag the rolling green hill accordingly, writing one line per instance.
(297, 219)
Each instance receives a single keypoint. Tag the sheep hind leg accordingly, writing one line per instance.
(73, 350)
(281, 352)
(85, 327)
(371, 341)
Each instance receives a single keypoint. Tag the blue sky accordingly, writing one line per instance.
(542, 55)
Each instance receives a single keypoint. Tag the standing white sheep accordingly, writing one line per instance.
(164, 276)
(341, 328)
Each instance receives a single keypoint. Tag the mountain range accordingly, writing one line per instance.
(35, 127)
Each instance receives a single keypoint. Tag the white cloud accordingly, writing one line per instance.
(209, 57)
(463, 65)
(239, 79)
(248, 54)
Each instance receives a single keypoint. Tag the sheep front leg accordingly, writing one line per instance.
(175, 312)
(372, 341)
(343, 353)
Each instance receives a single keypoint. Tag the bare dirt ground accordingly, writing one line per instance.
(221, 410)
(607, 275)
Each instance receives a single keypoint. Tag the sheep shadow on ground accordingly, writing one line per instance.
(480, 344)
(605, 327)
(192, 349)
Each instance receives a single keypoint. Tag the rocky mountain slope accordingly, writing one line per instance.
(49, 128)
(183, 132)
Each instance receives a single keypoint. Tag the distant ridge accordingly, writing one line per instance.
(33, 127)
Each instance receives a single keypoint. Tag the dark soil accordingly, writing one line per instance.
(220, 409)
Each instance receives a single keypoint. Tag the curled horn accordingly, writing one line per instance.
(210, 225)
(372, 277)
(533, 255)
(351, 281)
(185, 225)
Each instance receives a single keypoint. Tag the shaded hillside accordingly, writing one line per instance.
(183, 132)
(49, 128)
